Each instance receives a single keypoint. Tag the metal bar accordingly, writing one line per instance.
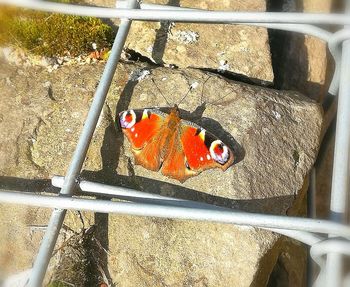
(184, 16)
(57, 217)
(185, 213)
(311, 213)
(299, 28)
(321, 248)
(129, 194)
(317, 252)
(195, 211)
(143, 197)
(340, 180)
(335, 48)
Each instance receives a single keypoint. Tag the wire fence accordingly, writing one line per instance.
(325, 237)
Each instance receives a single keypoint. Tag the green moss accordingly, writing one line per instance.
(52, 34)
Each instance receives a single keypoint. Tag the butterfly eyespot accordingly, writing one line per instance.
(219, 152)
(219, 149)
(127, 119)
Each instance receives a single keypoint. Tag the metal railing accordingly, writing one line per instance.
(325, 237)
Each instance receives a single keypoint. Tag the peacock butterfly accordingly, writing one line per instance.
(181, 149)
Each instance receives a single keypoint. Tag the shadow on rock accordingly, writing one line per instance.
(27, 185)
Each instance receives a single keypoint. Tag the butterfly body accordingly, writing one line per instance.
(181, 149)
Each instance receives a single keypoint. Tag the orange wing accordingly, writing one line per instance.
(192, 149)
(203, 150)
(142, 128)
(181, 149)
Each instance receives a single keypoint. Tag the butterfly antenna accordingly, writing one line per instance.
(189, 90)
(160, 92)
(215, 102)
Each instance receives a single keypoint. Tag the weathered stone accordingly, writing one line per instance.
(276, 135)
(235, 48)
(271, 126)
(22, 229)
(305, 64)
(28, 100)
(268, 124)
(290, 267)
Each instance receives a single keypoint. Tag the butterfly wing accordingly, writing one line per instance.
(175, 164)
(193, 150)
(142, 128)
(180, 148)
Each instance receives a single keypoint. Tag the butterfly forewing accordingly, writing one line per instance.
(140, 126)
(143, 128)
(203, 150)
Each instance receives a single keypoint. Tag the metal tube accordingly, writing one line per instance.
(129, 194)
(185, 16)
(143, 197)
(318, 252)
(185, 213)
(299, 28)
(57, 217)
(321, 248)
(340, 180)
(335, 48)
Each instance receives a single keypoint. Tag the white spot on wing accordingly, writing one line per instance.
(208, 157)
(136, 135)
(201, 158)
(132, 129)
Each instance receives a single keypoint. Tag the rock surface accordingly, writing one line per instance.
(275, 133)
(267, 125)
(26, 103)
(306, 65)
(239, 49)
